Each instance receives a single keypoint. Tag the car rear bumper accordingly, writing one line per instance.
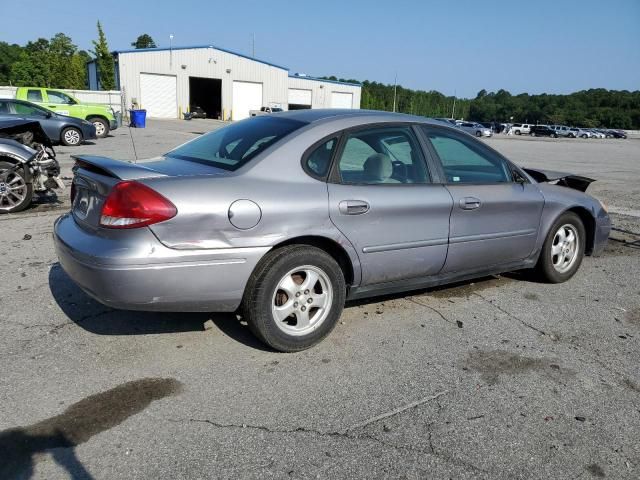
(132, 270)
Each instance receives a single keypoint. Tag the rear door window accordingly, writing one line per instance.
(464, 160)
(59, 97)
(34, 95)
(319, 160)
(384, 155)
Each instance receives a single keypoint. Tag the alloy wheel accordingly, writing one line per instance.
(565, 248)
(302, 300)
(13, 190)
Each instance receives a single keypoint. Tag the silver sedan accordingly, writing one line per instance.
(284, 217)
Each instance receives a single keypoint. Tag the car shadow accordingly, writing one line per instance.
(99, 319)
(86, 142)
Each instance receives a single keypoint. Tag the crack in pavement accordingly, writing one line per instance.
(511, 315)
(345, 434)
(413, 300)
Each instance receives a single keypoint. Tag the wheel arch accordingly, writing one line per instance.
(15, 161)
(97, 115)
(331, 247)
(589, 222)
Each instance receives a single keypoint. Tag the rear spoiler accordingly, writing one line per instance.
(577, 182)
(114, 168)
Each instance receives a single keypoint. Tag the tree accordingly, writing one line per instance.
(104, 61)
(144, 41)
(9, 54)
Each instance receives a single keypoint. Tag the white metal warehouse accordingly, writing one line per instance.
(170, 81)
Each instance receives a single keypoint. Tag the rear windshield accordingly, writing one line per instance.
(231, 147)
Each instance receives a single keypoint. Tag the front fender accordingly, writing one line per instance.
(559, 200)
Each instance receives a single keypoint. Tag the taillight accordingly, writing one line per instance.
(132, 205)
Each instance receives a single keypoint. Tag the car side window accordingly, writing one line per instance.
(385, 155)
(24, 109)
(58, 97)
(34, 95)
(4, 108)
(465, 162)
(319, 160)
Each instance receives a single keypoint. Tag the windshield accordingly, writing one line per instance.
(233, 146)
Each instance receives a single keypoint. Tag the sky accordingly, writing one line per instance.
(455, 47)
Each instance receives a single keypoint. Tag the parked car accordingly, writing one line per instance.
(102, 116)
(563, 131)
(595, 133)
(475, 129)
(542, 131)
(580, 133)
(371, 203)
(618, 133)
(521, 128)
(59, 128)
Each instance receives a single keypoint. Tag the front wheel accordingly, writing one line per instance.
(294, 298)
(478, 133)
(15, 193)
(102, 126)
(517, 132)
(71, 137)
(563, 249)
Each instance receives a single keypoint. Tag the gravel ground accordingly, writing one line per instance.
(497, 378)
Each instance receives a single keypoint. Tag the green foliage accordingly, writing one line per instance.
(144, 41)
(55, 63)
(588, 108)
(104, 61)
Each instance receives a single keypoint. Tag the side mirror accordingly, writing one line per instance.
(48, 114)
(519, 178)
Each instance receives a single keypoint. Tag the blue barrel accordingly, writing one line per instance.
(138, 118)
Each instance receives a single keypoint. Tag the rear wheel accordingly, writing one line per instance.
(563, 249)
(15, 193)
(478, 133)
(102, 126)
(71, 137)
(294, 298)
(517, 132)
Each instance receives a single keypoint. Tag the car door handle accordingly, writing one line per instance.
(353, 207)
(469, 203)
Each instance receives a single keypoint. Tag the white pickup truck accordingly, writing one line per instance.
(264, 111)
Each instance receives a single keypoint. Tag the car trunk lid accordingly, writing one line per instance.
(95, 177)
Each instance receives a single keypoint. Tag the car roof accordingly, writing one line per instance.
(337, 114)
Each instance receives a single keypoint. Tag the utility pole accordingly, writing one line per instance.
(453, 112)
(395, 87)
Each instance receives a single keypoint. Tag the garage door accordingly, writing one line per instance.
(246, 96)
(158, 95)
(341, 100)
(298, 96)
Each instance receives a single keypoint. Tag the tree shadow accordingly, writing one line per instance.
(99, 319)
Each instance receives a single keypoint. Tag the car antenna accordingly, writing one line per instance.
(133, 144)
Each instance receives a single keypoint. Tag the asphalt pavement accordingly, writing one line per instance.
(497, 378)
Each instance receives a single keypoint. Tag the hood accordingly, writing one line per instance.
(576, 182)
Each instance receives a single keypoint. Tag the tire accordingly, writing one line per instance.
(558, 264)
(571, 135)
(583, 136)
(478, 134)
(288, 268)
(18, 200)
(102, 126)
(533, 134)
(553, 135)
(71, 137)
(517, 132)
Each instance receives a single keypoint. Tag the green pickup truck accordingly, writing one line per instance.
(102, 116)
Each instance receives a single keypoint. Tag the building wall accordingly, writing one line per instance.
(321, 90)
(201, 62)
